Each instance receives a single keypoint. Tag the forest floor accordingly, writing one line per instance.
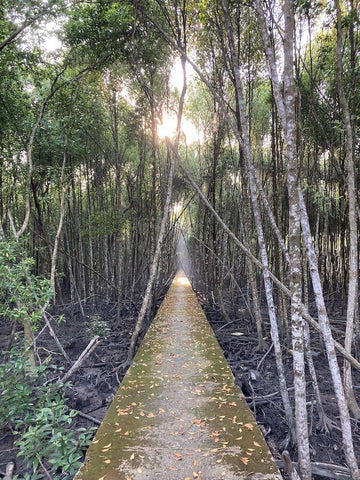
(94, 384)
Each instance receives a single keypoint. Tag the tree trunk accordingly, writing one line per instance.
(245, 146)
(153, 269)
(297, 322)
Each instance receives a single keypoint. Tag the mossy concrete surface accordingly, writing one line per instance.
(178, 414)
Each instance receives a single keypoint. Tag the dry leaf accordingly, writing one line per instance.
(249, 426)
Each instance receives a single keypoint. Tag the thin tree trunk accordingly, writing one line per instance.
(297, 322)
(64, 189)
(329, 344)
(260, 234)
(155, 262)
(153, 269)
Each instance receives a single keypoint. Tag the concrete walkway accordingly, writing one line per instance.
(178, 414)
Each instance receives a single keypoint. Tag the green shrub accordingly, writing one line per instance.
(22, 294)
(33, 408)
(37, 413)
(97, 326)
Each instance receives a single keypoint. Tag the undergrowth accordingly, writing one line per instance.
(37, 415)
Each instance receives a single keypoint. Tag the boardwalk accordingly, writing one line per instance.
(178, 414)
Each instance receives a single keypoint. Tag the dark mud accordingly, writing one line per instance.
(255, 373)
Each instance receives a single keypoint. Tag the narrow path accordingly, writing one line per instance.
(178, 414)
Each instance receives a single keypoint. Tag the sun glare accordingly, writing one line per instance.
(188, 129)
(168, 126)
(177, 208)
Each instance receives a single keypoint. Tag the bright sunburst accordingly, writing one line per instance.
(188, 129)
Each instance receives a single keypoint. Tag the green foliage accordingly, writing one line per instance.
(97, 27)
(96, 326)
(37, 413)
(22, 294)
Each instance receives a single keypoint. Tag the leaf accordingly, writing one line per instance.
(107, 461)
(257, 444)
(244, 460)
(151, 415)
(132, 456)
(127, 433)
(249, 426)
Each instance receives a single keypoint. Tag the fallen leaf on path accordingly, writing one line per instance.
(249, 426)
